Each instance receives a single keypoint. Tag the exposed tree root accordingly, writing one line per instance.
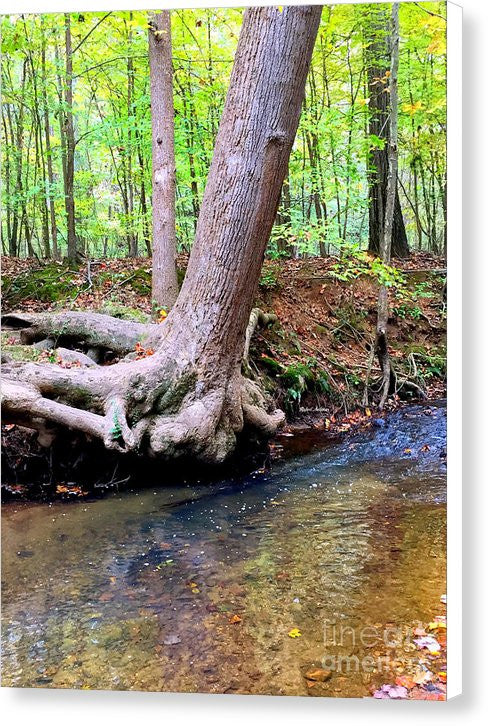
(93, 330)
(159, 406)
(257, 318)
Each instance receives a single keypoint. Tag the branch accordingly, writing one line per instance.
(90, 32)
(429, 12)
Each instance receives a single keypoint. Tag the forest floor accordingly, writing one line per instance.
(313, 360)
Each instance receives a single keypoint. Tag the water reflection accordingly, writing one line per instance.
(140, 590)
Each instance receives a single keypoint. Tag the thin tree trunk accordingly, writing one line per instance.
(333, 153)
(17, 138)
(188, 111)
(164, 280)
(379, 126)
(47, 135)
(144, 212)
(62, 125)
(70, 143)
(389, 219)
(8, 210)
(131, 235)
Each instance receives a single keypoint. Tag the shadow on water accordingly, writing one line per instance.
(139, 590)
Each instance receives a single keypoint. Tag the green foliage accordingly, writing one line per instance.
(355, 263)
(272, 365)
(430, 363)
(325, 196)
(269, 277)
(404, 311)
(116, 430)
(299, 378)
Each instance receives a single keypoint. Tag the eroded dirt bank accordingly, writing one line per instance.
(313, 358)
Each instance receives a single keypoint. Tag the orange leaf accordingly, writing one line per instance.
(405, 681)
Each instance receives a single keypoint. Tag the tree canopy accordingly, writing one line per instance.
(324, 201)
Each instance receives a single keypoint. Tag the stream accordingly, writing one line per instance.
(242, 586)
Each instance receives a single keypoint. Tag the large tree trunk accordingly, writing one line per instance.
(164, 280)
(190, 397)
(379, 125)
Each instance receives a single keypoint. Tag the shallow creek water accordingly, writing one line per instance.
(139, 590)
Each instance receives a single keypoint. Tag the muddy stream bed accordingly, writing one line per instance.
(243, 586)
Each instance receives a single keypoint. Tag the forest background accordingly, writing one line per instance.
(324, 202)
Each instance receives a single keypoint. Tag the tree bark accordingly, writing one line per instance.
(389, 219)
(17, 139)
(380, 126)
(131, 234)
(70, 143)
(190, 397)
(47, 134)
(164, 279)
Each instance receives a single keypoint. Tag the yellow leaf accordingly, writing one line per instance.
(436, 625)
(294, 633)
(412, 108)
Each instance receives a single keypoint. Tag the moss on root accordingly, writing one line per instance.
(122, 312)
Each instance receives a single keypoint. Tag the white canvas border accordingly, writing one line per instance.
(454, 355)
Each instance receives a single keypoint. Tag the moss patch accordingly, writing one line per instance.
(50, 283)
(18, 351)
(116, 310)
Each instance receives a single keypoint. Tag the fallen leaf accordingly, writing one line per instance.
(422, 676)
(294, 633)
(428, 642)
(388, 691)
(235, 619)
(318, 674)
(436, 625)
(405, 681)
